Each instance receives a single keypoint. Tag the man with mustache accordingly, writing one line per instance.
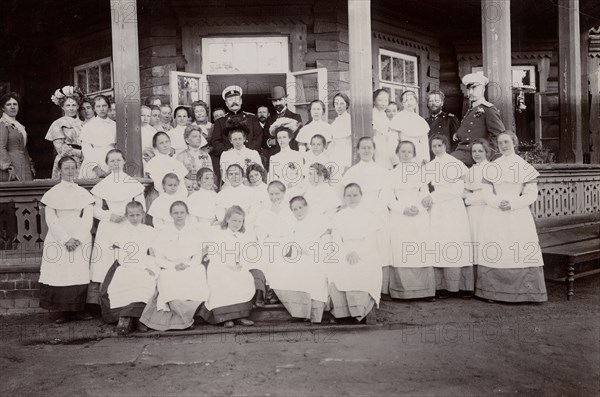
(482, 120)
(279, 100)
(439, 121)
(219, 141)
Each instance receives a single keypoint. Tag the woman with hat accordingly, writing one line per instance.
(64, 132)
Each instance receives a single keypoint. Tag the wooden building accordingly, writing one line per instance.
(129, 49)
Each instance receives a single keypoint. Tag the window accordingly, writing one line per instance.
(245, 55)
(522, 76)
(398, 73)
(95, 78)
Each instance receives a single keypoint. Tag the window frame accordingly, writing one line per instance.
(85, 67)
(396, 88)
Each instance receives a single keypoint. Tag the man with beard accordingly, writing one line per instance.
(279, 100)
(262, 113)
(439, 121)
(219, 141)
(482, 120)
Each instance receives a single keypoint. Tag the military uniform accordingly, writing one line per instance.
(482, 120)
(443, 123)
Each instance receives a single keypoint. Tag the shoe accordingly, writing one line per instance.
(430, 299)
(123, 326)
(228, 324)
(141, 327)
(61, 319)
(386, 297)
(245, 322)
(85, 316)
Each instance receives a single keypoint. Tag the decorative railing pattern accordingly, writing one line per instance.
(566, 192)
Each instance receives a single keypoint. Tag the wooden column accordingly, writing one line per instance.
(126, 80)
(569, 82)
(361, 85)
(495, 30)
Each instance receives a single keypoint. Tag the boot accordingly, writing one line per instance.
(259, 299)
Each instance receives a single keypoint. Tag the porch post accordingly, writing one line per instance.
(569, 82)
(495, 30)
(126, 78)
(361, 85)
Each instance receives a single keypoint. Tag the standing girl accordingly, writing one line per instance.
(450, 234)
(411, 274)
(65, 272)
(317, 125)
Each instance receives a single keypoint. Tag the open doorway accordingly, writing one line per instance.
(256, 89)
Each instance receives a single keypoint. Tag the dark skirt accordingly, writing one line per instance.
(454, 279)
(300, 305)
(410, 282)
(355, 304)
(511, 285)
(112, 315)
(63, 299)
(93, 293)
(260, 281)
(219, 315)
(180, 316)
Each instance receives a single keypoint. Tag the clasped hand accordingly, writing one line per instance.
(504, 205)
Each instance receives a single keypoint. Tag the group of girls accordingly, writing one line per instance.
(419, 230)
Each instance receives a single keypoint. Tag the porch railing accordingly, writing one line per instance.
(569, 194)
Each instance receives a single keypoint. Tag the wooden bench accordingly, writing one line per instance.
(572, 244)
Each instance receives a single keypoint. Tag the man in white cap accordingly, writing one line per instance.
(219, 142)
(482, 120)
(279, 100)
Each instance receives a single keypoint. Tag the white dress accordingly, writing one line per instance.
(162, 164)
(385, 140)
(512, 241)
(355, 230)
(112, 195)
(176, 136)
(414, 128)
(373, 181)
(303, 267)
(131, 281)
(313, 128)
(340, 149)
(240, 195)
(243, 157)
(202, 205)
(228, 285)
(475, 203)
(449, 223)
(409, 234)
(173, 246)
(148, 133)
(69, 214)
(322, 199)
(98, 137)
(286, 166)
(160, 209)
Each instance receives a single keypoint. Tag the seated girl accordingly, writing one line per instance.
(203, 202)
(181, 116)
(299, 277)
(191, 184)
(131, 280)
(196, 155)
(161, 206)
(232, 279)
(182, 285)
(317, 153)
(162, 163)
(239, 153)
(285, 166)
(234, 192)
(355, 277)
(323, 198)
(317, 125)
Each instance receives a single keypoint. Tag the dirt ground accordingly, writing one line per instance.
(452, 347)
